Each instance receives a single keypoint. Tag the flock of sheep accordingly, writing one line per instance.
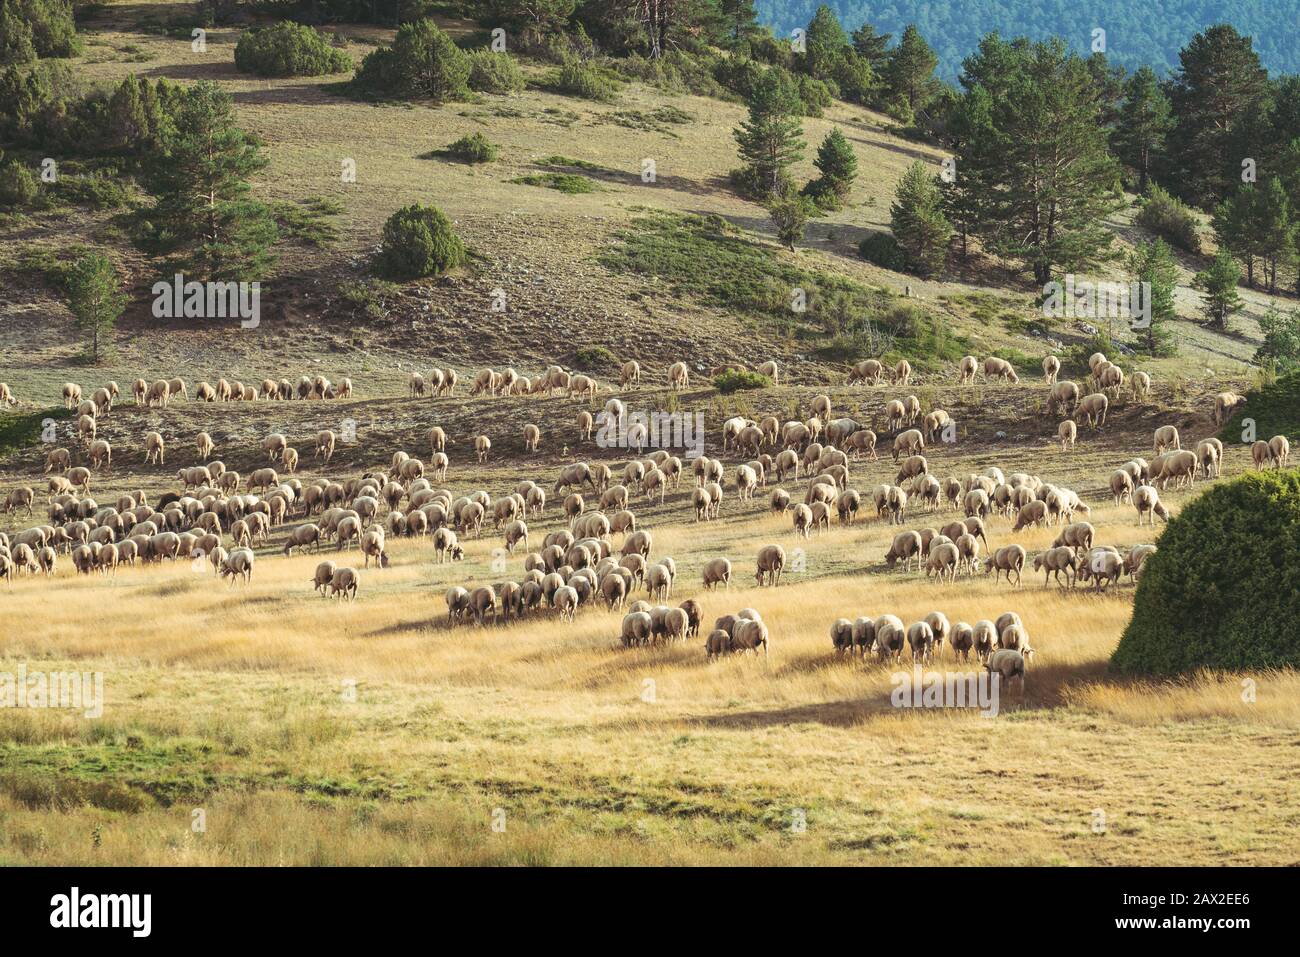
(578, 564)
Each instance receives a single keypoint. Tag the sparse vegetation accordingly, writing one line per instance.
(563, 182)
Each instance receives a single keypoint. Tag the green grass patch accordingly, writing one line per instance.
(309, 220)
(564, 182)
(734, 380)
(708, 259)
(20, 432)
(1273, 407)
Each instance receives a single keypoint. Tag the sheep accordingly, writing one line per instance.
(1093, 407)
(1056, 560)
(629, 374)
(344, 583)
(1225, 405)
(7, 395)
(966, 370)
(920, 637)
(906, 546)
(1147, 502)
(71, 395)
(902, 373)
(1009, 559)
(678, 376)
(238, 564)
(1279, 448)
(911, 442)
(1121, 486)
(1008, 665)
(1141, 383)
(868, 370)
(1209, 457)
(890, 635)
(769, 565)
(1166, 437)
(1051, 368)
(372, 546)
(154, 448)
(1067, 432)
(942, 560)
(995, 368)
(1063, 397)
(1179, 467)
(1110, 378)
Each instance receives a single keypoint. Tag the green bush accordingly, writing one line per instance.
(491, 72)
(37, 28)
(288, 49)
(1169, 218)
(419, 241)
(564, 182)
(423, 62)
(594, 358)
(882, 249)
(1223, 591)
(575, 78)
(734, 380)
(17, 186)
(474, 148)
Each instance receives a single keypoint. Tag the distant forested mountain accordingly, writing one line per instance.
(1137, 31)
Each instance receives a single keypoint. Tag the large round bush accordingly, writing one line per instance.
(419, 241)
(288, 49)
(1223, 591)
(423, 62)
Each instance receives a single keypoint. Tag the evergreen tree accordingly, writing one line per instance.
(1236, 223)
(965, 194)
(838, 167)
(201, 185)
(95, 298)
(1220, 84)
(917, 220)
(872, 46)
(741, 19)
(1145, 120)
(1153, 264)
(825, 43)
(1043, 174)
(1275, 228)
(909, 75)
(770, 140)
(790, 214)
(1219, 286)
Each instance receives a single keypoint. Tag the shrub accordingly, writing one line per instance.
(419, 241)
(288, 49)
(564, 182)
(593, 357)
(17, 186)
(474, 148)
(575, 78)
(1274, 407)
(734, 380)
(1223, 591)
(37, 28)
(491, 72)
(881, 249)
(422, 62)
(1171, 219)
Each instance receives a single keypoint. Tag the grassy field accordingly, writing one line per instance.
(264, 724)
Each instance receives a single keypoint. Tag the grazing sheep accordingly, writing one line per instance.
(1067, 432)
(1141, 383)
(154, 449)
(1166, 437)
(1051, 368)
(902, 373)
(770, 563)
(1009, 559)
(532, 437)
(1056, 560)
(943, 560)
(7, 395)
(966, 370)
(995, 368)
(344, 583)
(1225, 405)
(1008, 665)
(238, 564)
(890, 635)
(906, 547)
(1279, 448)
(1093, 407)
(679, 376)
(1147, 502)
(920, 636)
(1209, 456)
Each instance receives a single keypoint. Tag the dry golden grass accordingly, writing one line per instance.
(232, 700)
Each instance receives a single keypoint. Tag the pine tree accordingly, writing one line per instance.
(825, 43)
(1145, 120)
(1043, 174)
(1220, 84)
(838, 167)
(1236, 223)
(201, 185)
(1275, 227)
(917, 220)
(741, 18)
(1219, 285)
(965, 193)
(1153, 264)
(872, 46)
(909, 76)
(770, 140)
(95, 298)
